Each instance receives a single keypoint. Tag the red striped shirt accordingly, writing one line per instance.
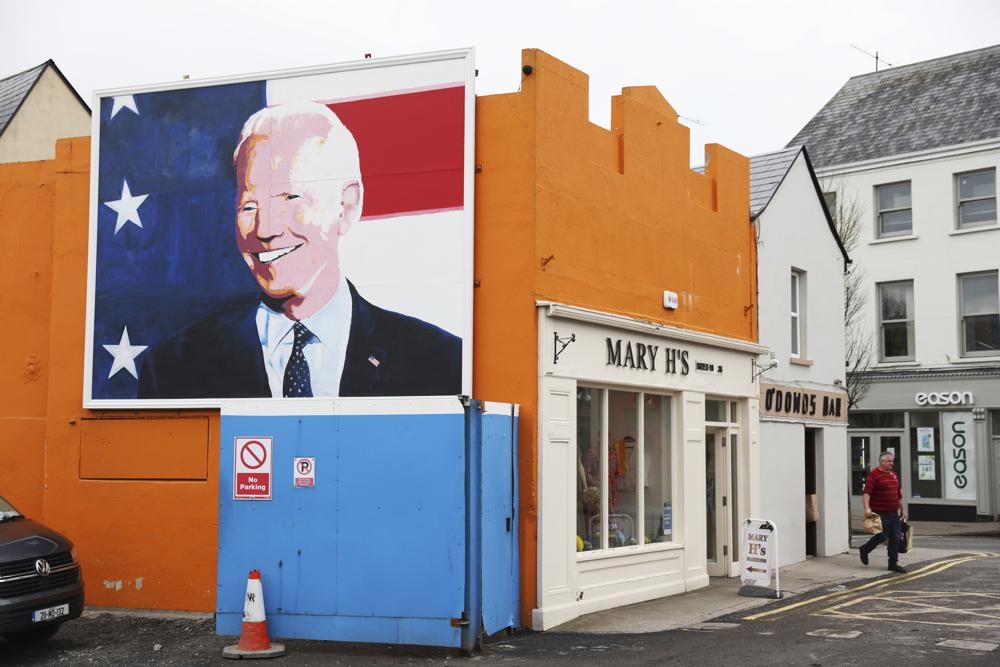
(883, 487)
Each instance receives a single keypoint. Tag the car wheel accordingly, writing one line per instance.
(33, 636)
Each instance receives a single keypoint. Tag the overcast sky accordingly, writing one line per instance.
(744, 74)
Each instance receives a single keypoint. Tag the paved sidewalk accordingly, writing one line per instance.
(722, 597)
(938, 528)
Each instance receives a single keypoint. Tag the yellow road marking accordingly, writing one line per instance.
(932, 568)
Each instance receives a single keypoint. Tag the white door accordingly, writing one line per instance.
(721, 502)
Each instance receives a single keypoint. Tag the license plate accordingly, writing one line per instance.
(50, 613)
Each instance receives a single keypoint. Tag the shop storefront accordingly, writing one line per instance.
(803, 428)
(944, 430)
(647, 459)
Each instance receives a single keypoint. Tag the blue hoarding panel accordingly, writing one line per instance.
(500, 576)
(375, 551)
(402, 516)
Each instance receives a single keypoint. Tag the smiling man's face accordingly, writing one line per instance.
(291, 213)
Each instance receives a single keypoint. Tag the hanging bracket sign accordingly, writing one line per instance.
(252, 469)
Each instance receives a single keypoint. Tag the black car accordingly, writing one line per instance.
(41, 586)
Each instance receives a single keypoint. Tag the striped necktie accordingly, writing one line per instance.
(297, 382)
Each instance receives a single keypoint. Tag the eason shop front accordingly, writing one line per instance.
(648, 459)
(944, 430)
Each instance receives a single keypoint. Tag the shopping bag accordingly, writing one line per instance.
(873, 524)
(905, 537)
(812, 508)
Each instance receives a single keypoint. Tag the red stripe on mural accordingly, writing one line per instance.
(412, 150)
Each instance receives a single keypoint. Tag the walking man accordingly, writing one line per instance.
(882, 496)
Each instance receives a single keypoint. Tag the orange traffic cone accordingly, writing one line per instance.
(253, 635)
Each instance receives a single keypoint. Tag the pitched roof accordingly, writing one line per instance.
(942, 102)
(767, 173)
(14, 90)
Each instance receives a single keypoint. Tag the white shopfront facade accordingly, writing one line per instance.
(648, 459)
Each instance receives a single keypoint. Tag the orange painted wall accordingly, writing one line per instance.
(568, 211)
(142, 542)
(27, 197)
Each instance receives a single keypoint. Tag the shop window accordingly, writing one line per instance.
(659, 511)
(590, 468)
(875, 419)
(623, 431)
(860, 464)
(980, 314)
(977, 198)
(995, 418)
(895, 213)
(925, 454)
(624, 497)
(895, 308)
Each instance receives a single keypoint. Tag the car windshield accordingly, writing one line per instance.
(7, 511)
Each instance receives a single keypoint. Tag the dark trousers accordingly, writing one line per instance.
(890, 531)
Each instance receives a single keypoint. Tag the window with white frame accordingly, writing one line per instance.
(623, 477)
(797, 300)
(979, 307)
(895, 309)
(894, 210)
(977, 198)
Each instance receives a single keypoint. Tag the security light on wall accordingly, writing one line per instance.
(670, 300)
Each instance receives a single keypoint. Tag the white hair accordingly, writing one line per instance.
(335, 146)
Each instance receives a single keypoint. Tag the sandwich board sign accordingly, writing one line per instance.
(760, 554)
(252, 469)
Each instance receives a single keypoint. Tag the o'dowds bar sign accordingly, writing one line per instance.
(791, 402)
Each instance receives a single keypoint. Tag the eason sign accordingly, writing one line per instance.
(958, 455)
(760, 543)
(945, 398)
(252, 469)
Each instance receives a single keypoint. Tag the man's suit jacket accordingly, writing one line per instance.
(388, 354)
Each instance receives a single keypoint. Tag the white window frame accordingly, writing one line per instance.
(879, 211)
(959, 201)
(796, 304)
(882, 322)
(962, 315)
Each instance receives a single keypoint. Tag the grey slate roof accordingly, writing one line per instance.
(16, 88)
(941, 102)
(766, 173)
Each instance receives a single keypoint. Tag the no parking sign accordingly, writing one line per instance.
(252, 469)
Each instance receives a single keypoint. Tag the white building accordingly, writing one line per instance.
(917, 147)
(37, 107)
(803, 405)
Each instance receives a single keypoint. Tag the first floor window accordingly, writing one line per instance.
(895, 308)
(980, 314)
(796, 316)
(623, 477)
(977, 198)
(895, 212)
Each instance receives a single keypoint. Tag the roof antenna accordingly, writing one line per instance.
(872, 55)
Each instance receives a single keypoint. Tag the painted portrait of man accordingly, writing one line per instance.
(270, 305)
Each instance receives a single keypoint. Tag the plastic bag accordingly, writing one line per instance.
(905, 537)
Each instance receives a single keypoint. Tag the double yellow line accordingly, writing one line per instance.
(919, 573)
